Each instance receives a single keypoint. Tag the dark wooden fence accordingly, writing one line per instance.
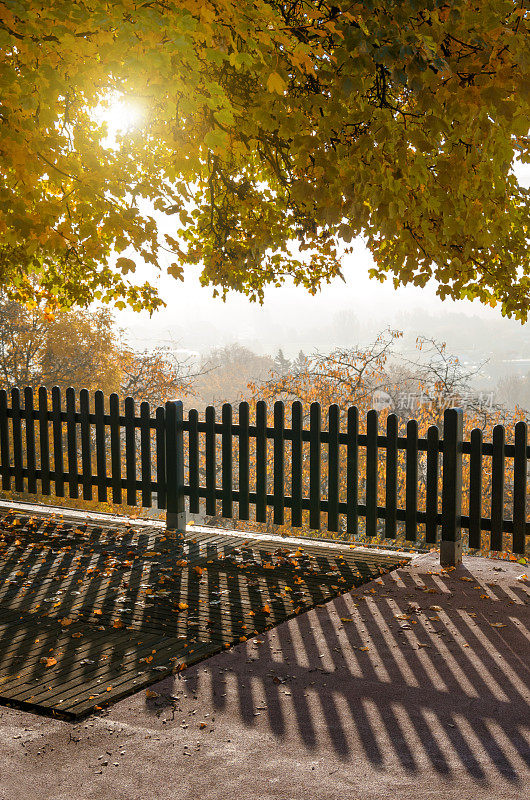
(114, 455)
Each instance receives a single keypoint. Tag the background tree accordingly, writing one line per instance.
(84, 349)
(265, 123)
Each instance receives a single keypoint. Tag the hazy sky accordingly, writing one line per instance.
(289, 315)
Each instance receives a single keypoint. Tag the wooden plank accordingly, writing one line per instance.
(44, 441)
(432, 480)
(86, 444)
(475, 488)
(5, 461)
(145, 454)
(372, 458)
(352, 472)
(279, 463)
(315, 477)
(115, 447)
(296, 463)
(226, 461)
(497, 488)
(391, 468)
(520, 484)
(244, 462)
(160, 446)
(18, 463)
(411, 481)
(333, 467)
(211, 465)
(57, 427)
(101, 448)
(193, 460)
(71, 443)
(130, 452)
(31, 459)
(261, 461)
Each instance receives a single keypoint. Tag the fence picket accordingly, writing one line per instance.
(44, 441)
(261, 461)
(411, 481)
(57, 427)
(520, 481)
(17, 441)
(160, 448)
(193, 462)
(391, 476)
(431, 489)
(244, 462)
(86, 449)
(145, 454)
(475, 488)
(5, 461)
(210, 461)
(130, 452)
(371, 472)
(333, 467)
(71, 444)
(497, 487)
(352, 469)
(296, 464)
(315, 424)
(226, 460)
(115, 447)
(278, 464)
(31, 460)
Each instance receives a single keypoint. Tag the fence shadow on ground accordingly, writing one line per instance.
(450, 691)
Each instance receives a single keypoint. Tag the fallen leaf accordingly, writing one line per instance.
(183, 606)
(150, 694)
(48, 662)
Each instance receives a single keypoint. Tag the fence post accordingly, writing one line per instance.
(175, 508)
(451, 543)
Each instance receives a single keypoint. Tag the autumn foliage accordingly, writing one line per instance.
(272, 134)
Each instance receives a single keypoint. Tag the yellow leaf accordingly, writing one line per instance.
(275, 83)
(126, 265)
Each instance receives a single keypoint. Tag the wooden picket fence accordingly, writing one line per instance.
(215, 463)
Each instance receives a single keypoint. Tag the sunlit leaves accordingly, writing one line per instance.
(308, 123)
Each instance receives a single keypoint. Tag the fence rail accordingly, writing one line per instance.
(385, 479)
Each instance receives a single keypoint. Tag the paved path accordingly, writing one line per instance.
(413, 685)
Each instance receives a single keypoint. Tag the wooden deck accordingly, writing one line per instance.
(90, 612)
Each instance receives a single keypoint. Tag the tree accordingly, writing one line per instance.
(226, 373)
(281, 364)
(83, 349)
(265, 123)
(73, 348)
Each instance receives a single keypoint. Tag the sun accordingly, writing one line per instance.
(121, 115)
